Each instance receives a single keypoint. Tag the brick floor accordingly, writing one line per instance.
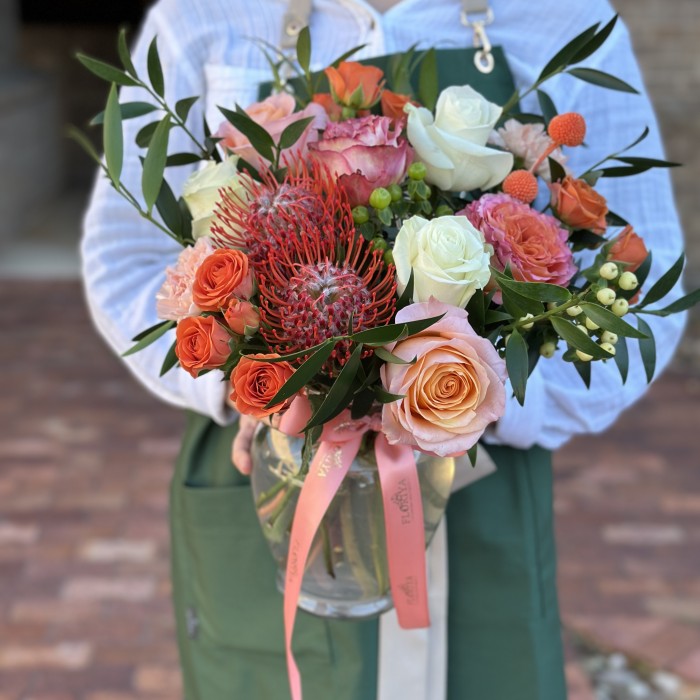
(86, 456)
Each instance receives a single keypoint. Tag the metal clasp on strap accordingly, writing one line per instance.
(478, 22)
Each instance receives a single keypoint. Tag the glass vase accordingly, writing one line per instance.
(347, 572)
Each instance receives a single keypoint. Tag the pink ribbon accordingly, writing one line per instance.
(403, 517)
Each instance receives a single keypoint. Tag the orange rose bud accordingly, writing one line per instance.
(201, 343)
(522, 185)
(354, 85)
(255, 383)
(567, 129)
(333, 109)
(221, 276)
(393, 104)
(579, 205)
(242, 317)
(628, 248)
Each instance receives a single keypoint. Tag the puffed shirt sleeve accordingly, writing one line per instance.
(124, 257)
(558, 406)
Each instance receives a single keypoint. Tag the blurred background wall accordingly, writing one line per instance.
(84, 586)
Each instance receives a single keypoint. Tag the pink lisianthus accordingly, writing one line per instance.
(275, 114)
(527, 142)
(533, 244)
(452, 392)
(363, 153)
(174, 299)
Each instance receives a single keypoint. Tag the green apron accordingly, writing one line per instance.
(504, 633)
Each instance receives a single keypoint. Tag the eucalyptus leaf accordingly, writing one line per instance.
(106, 71)
(608, 321)
(304, 374)
(259, 138)
(517, 365)
(183, 107)
(549, 110)
(339, 395)
(602, 79)
(622, 358)
(170, 360)
(146, 340)
(647, 348)
(129, 110)
(665, 283)
(125, 54)
(155, 69)
(577, 338)
(293, 132)
(154, 164)
(113, 136)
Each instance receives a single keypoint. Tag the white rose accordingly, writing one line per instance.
(452, 145)
(449, 258)
(201, 192)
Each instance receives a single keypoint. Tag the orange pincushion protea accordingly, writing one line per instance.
(317, 276)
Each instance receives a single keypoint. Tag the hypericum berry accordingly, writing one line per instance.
(574, 311)
(628, 281)
(521, 185)
(417, 171)
(444, 210)
(620, 307)
(379, 243)
(609, 271)
(608, 347)
(527, 326)
(609, 337)
(360, 215)
(551, 305)
(396, 193)
(388, 257)
(584, 356)
(567, 129)
(548, 349)
(606, 296)
(591, 325)
(583, 329)
(380, 198)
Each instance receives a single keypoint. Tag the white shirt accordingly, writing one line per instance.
(207, 49)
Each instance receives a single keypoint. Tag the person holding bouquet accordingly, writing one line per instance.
(502, 639)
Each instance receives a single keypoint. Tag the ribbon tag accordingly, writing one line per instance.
(403, 517)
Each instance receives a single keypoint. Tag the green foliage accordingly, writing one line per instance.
(154, 164)
(601, 79)
(151, 336)
(517, 365)
(577, 339)
(170, 360)
(647, 348)
(113, 136)
(259, 138)
(665, 283)
(106, 71)
(129, 110)
(155, 69)
(608, 321)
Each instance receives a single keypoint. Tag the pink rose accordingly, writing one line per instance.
(533, 244)
(454, 390)
(527, 142)
(174, 300)
(275, 113)
(363, 153)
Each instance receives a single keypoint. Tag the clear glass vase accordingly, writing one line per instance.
(347, 572)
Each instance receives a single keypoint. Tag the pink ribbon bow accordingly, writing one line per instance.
(403, 517)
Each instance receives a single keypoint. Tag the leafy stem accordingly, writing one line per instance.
(574, 301)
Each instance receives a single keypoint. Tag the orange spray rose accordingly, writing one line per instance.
(220, 277)
(579, 205)
(355, 85)
(255, 383)
(201, 343)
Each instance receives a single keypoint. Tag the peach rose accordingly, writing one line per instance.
(629, 248)
(275, 114)
(454, 390)
(579, 205)
(355, 85)
(255, 383)
(201, 343)
(393, 104)
(221, 276)
(242, 317)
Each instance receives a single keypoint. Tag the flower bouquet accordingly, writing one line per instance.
(368, 267)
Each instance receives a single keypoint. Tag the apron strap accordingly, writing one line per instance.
(295, 19)
(477, 15)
